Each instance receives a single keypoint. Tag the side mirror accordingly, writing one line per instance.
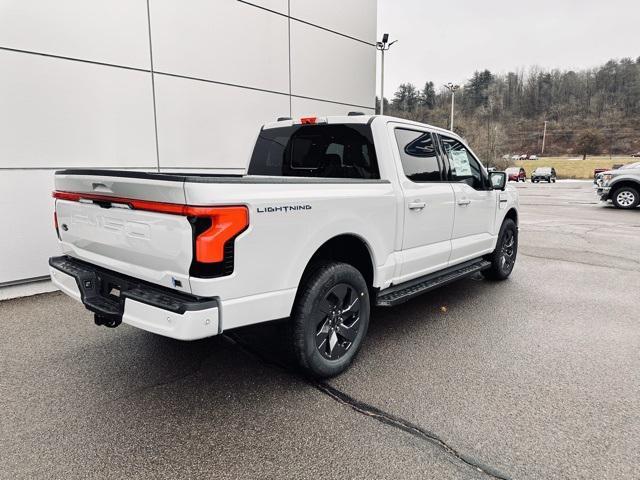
(498, 180)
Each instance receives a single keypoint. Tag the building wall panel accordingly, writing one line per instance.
(113, 31)
(280, 6)
(57, 112)
(226, 41)
(302, 107)
(26, 210)
(331, 67)
(356, 18)
(207, 125)
(60, 113)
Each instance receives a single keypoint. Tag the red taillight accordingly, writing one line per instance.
(308, 120)
(226, 222)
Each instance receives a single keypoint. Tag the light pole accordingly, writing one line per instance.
(383, 46)
(452, 88)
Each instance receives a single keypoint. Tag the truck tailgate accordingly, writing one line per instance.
(149, 245)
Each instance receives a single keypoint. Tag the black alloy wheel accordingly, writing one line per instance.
(338, 321)
(330, 318)
(508, 251)
(503, 258)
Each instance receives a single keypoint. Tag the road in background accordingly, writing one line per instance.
(536, 377)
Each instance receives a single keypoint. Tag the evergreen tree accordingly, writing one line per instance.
(428, 96)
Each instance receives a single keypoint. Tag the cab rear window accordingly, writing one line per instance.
(324, 151)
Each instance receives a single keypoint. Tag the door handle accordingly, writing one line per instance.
(464, 202)
(418, 205)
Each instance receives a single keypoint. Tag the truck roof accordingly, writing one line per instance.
(353, 119)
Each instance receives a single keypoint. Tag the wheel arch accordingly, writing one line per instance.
(624, 183)
(513, 215)
(349, 248)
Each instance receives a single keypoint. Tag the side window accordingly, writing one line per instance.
(418, 155)
(464, 167)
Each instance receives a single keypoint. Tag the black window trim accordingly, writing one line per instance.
(444, 159)
(411, 128)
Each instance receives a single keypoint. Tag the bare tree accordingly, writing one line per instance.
(589, 143)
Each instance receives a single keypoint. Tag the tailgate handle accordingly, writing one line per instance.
(101, 187)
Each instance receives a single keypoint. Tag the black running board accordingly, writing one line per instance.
(405, 291)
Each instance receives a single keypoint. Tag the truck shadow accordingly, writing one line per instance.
(270, 341)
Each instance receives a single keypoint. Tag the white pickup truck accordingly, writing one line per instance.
(334, 215)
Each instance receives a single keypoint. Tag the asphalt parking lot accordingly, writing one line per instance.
(536, 377)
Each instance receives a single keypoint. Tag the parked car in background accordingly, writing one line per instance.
(533, 157)
(621, 186)
(523, 157)
(547, 174)
(516, 174)
(515, 157)
(636, 155)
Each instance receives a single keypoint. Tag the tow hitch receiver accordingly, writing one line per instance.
(110, 322)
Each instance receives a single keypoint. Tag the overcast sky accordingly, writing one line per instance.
(448, 40)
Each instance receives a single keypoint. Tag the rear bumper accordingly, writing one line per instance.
(149, 307)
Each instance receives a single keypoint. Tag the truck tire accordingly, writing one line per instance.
(330, 318)
(625, 197)
(503, 257)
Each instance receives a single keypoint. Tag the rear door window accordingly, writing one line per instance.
(325, 151)
(418, 155)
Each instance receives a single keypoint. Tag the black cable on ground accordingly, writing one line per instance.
(373, 412)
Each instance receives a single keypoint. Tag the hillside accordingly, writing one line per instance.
(589, 111)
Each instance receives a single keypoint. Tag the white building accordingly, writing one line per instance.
(158, 84)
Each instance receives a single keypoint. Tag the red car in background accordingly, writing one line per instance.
(516, 174)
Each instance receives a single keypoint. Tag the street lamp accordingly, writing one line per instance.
(383, 46)
(452, 88)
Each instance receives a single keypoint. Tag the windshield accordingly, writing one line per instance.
(511, 170)
(543, 170)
